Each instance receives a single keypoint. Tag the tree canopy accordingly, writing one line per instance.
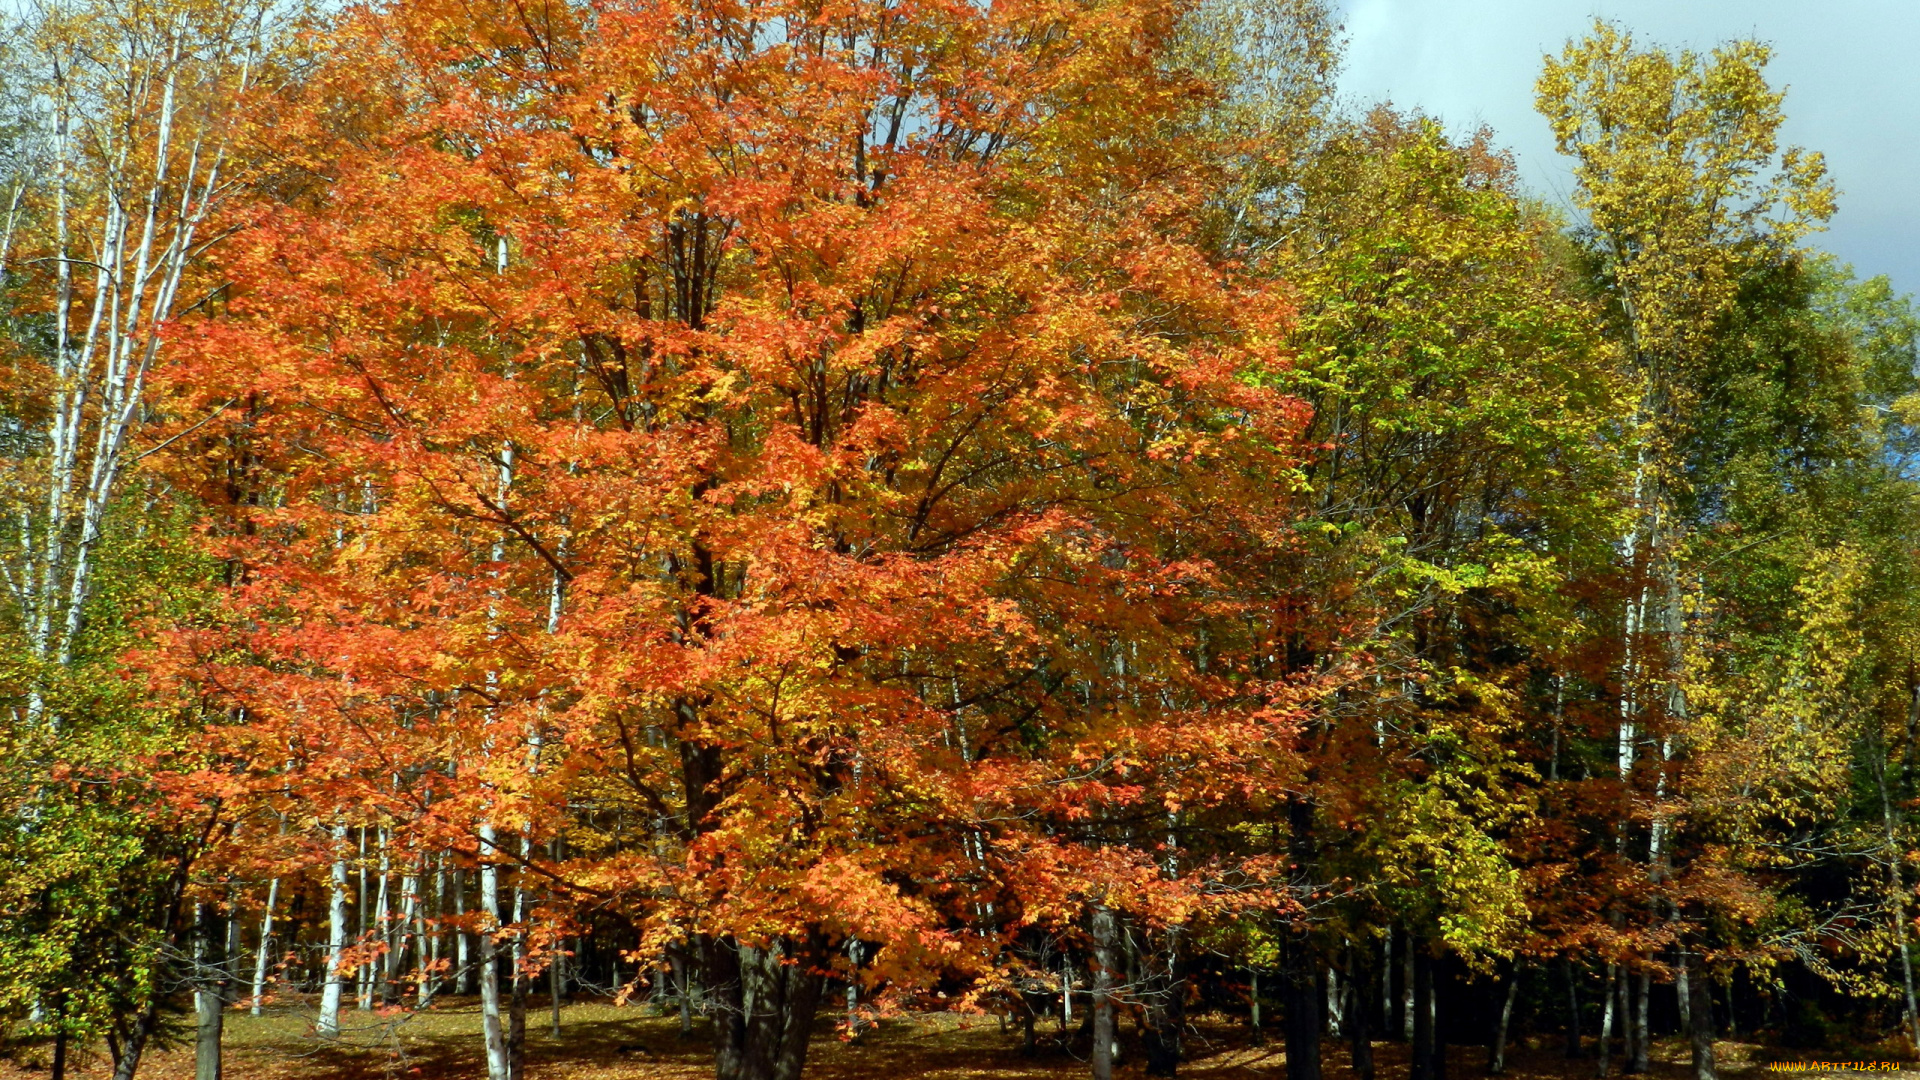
(946, 506)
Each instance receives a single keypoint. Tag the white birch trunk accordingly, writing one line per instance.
(492, 1032)
(404, 927)
(430, 934)
(140, 107)
(265, 951)
(1066, 993)
(1602, 1067)
(463, 955)
(363, 973)
(1336, 1005)
(380, 975)
(330, 993)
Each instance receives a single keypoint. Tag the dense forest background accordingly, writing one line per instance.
(809, 512)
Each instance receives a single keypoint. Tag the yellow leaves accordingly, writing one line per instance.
(1441, 846)
(1829, 594)
(1809, 195)
(1680, 175)
(1775, 732)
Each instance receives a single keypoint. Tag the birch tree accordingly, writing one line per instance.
(137, 109)
(1758, 495)
(126, 123)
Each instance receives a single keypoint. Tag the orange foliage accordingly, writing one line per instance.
(800, 454)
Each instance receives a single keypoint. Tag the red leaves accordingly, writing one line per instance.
(761, 462)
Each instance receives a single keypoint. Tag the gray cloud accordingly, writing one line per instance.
(1852, 68)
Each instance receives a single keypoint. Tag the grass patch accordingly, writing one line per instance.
(601, 1041)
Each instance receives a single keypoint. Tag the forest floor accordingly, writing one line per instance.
(604, 1042)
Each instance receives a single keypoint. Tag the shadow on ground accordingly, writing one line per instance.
(600, 1041)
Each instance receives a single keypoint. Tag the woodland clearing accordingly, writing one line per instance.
(601, 1041)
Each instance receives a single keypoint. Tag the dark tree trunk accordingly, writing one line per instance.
(1423, 1033)
(682, 968)
(128, 1046)
(57, 1070)
(1300, 981)
(1700, 989)
(1733, 1003)
(556, 986)
(1399, 967)
(127, 1040)
(1642, 1059)
(209, 992)
(1324, 984)
(1253, 1004)
(1360, 1012)
(1166, 1017)
(1304, 997)
(1625, 1010)
(1573, 1007)
(764, 1002)
(1106, 960)
(763, 996)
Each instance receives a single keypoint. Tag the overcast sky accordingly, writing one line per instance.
(1852, 69)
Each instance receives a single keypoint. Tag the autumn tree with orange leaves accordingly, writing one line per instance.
(804, 514)
(799, 456)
